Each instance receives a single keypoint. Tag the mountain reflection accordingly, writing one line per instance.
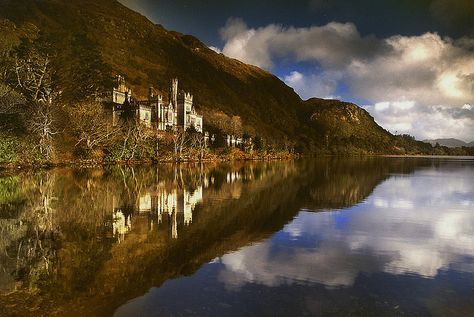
(88, 240)
(409, 245)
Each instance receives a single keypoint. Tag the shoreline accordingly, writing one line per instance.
(101, 164)
(267, 158)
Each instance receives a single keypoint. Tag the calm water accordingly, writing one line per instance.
(328, 237)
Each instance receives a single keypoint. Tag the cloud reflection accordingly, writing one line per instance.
(410, 225)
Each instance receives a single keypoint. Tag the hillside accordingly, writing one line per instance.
(343, 123)
(148, 55)
(93, 40)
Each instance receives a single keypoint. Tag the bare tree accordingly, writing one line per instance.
(198, 143)
(91, 127)
(135, 135)
(41, 125)
(141, 134)
(34, 80)
(33, 73)
(180, 140)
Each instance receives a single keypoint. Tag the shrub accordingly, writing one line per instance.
(8, 149)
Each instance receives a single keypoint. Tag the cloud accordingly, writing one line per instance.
(136, 5)
(427, 122)
(428, 71)
(260, 46)
(216, 49)
(308, 86)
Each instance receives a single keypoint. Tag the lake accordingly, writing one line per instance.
(325, 237)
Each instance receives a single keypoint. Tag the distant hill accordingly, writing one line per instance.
(127, 43)
(451, 142)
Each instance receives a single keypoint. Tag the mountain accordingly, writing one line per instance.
(92, 38)
(343, 123)
(451, 142)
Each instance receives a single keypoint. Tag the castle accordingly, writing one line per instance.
(179, 112)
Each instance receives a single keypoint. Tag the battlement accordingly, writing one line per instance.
(188, 97)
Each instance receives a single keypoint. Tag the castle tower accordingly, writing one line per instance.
(121, 83)
(121, 92)
(151, 93)
(185, 107)
(174, 92)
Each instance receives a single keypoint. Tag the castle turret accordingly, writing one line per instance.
(121, 93)
(174, 92)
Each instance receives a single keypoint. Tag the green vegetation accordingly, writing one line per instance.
(9, 149)
(59, 57)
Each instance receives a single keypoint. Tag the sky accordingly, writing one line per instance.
(409, 63)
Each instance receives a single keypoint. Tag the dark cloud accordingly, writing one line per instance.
(203, 18)
(456, 15)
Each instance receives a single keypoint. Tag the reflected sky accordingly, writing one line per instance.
(408, 248)
(324, 237)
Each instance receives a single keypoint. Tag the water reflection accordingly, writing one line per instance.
(87, 241)
(408, 248)
(421, 224)
(173, 205)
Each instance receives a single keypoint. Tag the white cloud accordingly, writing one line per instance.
(434, 75)
(215, 49)
(426, 69)
(323, 84)
(426, 122)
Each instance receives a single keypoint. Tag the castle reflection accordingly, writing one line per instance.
(170, 205)
(88, 240)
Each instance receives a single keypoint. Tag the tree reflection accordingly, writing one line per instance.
(90, 239)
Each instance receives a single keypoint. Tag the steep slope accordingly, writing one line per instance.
(344, 124)
(96, 37)
(148, 55)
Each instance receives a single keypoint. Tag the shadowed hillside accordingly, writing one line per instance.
(90, 41)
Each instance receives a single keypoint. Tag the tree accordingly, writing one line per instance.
(9, 100)
(33, 78)
(258, 143)
(8, 42)
(198, 143)
(41, 125)
(91, 127)
(134, 137)
(180, 140)
(33, 71)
